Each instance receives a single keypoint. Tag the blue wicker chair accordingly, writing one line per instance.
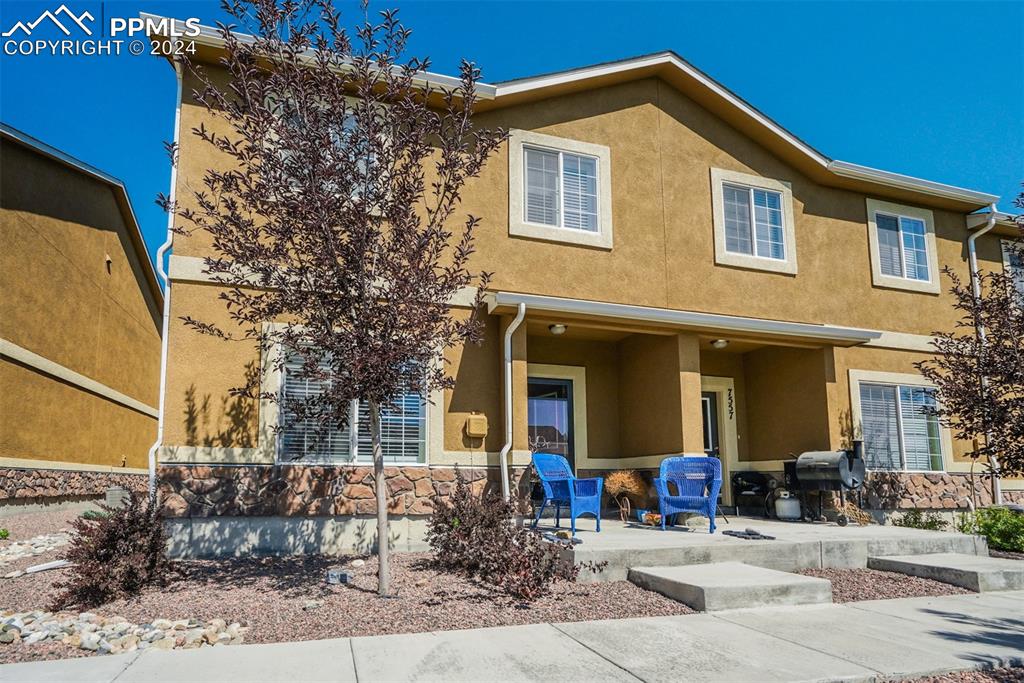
(581, 496)
(697, 481)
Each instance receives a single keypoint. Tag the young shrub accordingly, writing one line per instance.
(475, 535)
(917, 519)
(1001, 527)
(115, 555)
(4, 534)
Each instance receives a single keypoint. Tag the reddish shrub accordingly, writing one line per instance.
(115, 554)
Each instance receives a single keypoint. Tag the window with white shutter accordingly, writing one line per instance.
(753, 222)
(559, 190)
(899, 431)
(403, 428)
(1013, 264)
(902, 247)
(901, 241)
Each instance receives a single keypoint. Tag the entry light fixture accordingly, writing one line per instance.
(557, 329)
(720, 343)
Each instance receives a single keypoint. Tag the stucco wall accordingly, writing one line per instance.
(60, 299)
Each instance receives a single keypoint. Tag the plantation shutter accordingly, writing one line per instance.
(921, 439)
(737, 220)
(890, 257)
(542, 199)
(403, 428)
(303, 440)
(880, 425)
(915, 248)
(579, 187)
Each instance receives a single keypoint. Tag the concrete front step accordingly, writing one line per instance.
(974, 572)
(731, 585)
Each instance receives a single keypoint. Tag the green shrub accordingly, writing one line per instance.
(94, 515)
(4, 534)
(918, 519)
(1002, 528)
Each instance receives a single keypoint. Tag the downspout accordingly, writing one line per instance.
(162, 272)
(972, 255)
(503, 456)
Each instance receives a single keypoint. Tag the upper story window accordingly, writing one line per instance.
(559, 190)
(903, 249)
(753, 221)
(1013, 264)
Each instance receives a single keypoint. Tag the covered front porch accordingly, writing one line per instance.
(615, 387)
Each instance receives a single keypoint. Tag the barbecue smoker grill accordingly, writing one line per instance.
(826, 471)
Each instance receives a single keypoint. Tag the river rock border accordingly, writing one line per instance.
(310, 490)
(24, 485)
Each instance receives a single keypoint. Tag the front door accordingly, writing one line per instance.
(549, 417)
(709, 408)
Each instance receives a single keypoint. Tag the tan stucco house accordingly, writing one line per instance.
(673, 271)
(79, 328)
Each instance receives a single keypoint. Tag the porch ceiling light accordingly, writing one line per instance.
(557, 328)
(720, 343)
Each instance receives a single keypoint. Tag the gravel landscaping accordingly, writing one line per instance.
(1006, 554)
(1011, 675)
(285, 599)
(854, 585)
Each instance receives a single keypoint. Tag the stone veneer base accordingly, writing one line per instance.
(205, 491)
(37, 485)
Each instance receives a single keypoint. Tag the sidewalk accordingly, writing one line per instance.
(858, 642)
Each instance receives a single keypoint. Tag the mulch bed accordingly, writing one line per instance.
(854, 585)
(1011, 675)
(271, 596)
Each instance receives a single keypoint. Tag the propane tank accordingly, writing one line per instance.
(787, 506)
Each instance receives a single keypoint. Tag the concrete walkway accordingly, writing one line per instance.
(863, 641)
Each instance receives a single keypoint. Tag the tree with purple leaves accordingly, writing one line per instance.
(335, 222)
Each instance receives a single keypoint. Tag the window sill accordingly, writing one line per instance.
(891, 282)
(728, 258)
(600, 240)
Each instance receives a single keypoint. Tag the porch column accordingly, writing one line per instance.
(689, 393)
(520, 437)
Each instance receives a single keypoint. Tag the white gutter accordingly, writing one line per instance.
(846, 169)
(162, 272)
(972, 255)
(503, 456)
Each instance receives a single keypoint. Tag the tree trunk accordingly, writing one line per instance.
(381, 490)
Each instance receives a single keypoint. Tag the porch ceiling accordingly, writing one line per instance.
(543, 310)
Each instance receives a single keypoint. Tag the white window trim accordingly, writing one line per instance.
(517, 224)
(788, 265)
(269, 418)
(878, 278)
(895, 379)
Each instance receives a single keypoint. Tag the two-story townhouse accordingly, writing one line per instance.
(673, 272)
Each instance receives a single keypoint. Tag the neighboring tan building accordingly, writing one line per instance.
(80, 314)
(723, 287)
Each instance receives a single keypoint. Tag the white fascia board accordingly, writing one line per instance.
(977, 220)
(119, 189)
(857, 172)
(711, 321)
(210, 36)
(659, 59)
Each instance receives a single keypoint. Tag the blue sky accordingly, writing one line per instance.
(934, 90)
